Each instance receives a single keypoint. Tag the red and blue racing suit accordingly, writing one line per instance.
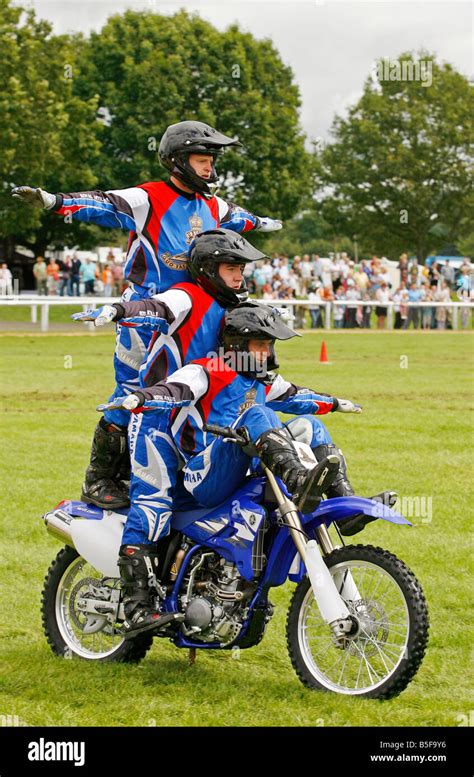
(213, 470)
(163, 221)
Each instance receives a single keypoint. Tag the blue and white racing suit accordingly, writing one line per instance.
(194, 319)
(163, 221)
(213, 469)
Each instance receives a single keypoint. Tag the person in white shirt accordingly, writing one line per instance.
(346, 265)
(306, 273)
(317, 265)
(352, 293)
(283, 268)
(442, 295)
(294, 282)
(339, 310)
(326, 277)
(397, 298)
(6, 280)
(268, 271)
(315, 311)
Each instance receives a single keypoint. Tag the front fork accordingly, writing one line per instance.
(330, 603)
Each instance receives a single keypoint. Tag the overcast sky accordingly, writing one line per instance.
(330, 45)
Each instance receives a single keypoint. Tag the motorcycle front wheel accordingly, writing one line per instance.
(71, 631)
(386, 651)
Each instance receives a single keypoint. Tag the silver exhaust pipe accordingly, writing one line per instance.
(58, 523)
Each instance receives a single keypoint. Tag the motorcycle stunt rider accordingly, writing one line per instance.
(163, 219)
(187, 320)
(233, 390)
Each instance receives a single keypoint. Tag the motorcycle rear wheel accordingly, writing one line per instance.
(383, 657)
(64, 624)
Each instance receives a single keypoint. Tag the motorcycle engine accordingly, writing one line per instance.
(214, 599)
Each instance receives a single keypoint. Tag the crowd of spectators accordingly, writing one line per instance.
(341, 279)
(318, 280)
(71, 276)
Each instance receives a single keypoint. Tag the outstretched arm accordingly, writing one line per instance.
(286, 397)
(120, 208)
(183, 388)
(158, 312)
(239, 219)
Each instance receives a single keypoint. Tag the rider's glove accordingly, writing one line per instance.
(33, 196)
(132, 401)
(101, 316)
(128, 402)
(346, 406)
(266, 224)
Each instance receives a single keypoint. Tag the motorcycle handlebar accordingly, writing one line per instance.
(238, 435)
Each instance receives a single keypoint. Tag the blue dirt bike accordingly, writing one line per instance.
(357, 623)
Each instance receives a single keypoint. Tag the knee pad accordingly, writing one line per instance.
(259, 419)
(310, 430)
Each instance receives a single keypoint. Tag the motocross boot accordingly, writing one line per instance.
(138, 565)
(358, 522)
(109, 453)
(278, 453)
(125, 473)
(341, 486)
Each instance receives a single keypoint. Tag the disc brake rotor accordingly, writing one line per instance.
(86, 622)
(373, 626)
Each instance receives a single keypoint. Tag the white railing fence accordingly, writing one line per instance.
(35, 301)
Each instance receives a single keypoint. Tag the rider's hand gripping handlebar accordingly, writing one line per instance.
(239, 436)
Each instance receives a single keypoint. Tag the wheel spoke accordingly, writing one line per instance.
(358, 673)
(362, 578)
(367, 663)
(391, 624)
(336, 662)
(376, 644)
(81, 582)
(343, 666)
(371, 594)
(371, 657)
(381, 596)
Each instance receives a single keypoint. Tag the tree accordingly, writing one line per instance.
(400, 168)
(466, 246)
(152, 70)
(49, 133)
(144, 71)
(307, 233)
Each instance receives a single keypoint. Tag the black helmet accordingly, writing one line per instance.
(192, 137)
(212, 248)
(253, 321)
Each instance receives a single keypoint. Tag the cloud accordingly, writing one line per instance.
(331, 46)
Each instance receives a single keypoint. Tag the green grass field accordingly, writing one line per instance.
(414, 436)
(22, 313)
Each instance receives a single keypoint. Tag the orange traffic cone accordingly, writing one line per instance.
(323, 357)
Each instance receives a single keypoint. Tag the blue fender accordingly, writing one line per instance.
(283, 554)
(348, 506)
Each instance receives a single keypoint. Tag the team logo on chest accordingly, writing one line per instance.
(179, 261)
(249, 400)
(196, 228)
